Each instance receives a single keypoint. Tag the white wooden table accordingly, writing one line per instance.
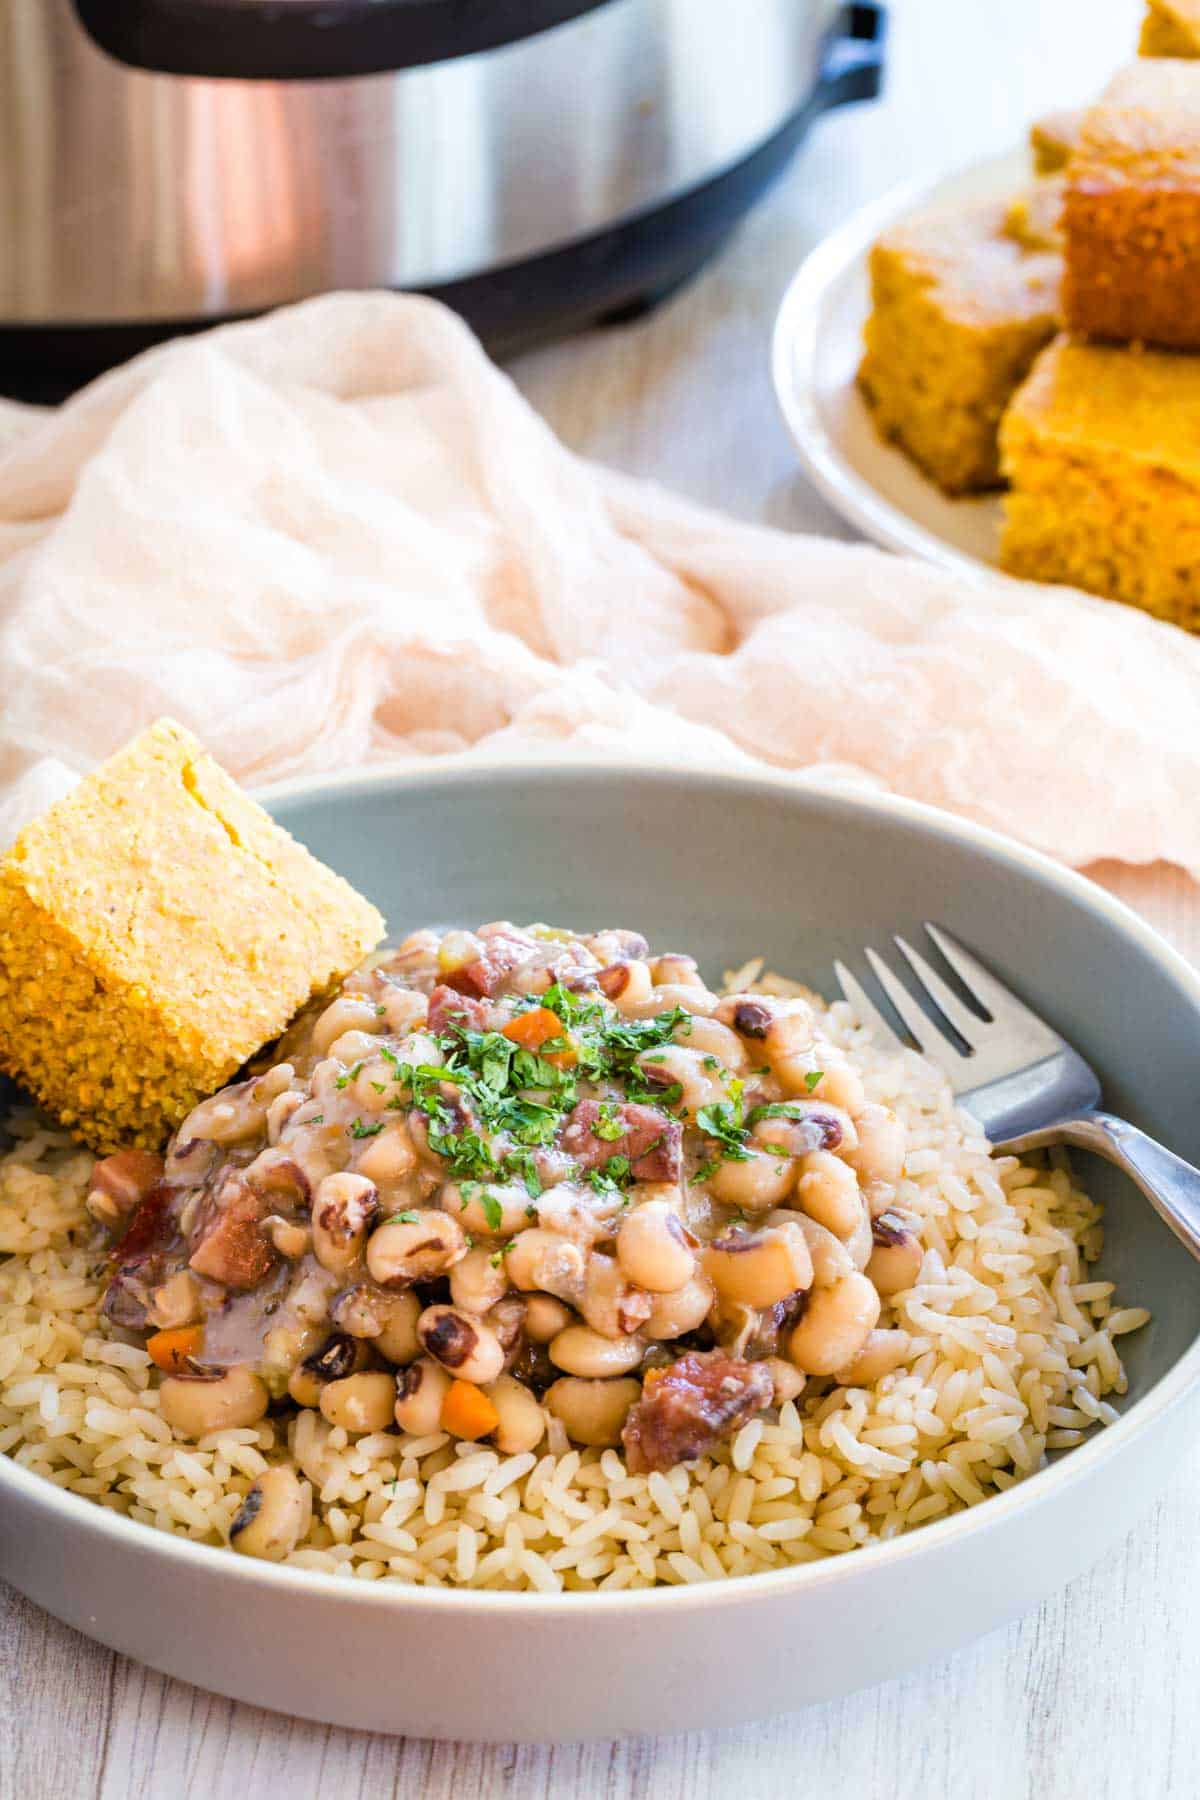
(1095, 1694)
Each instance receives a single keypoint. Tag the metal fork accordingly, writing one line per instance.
(1013, 1073)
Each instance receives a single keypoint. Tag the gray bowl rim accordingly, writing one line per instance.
(1086, 1459)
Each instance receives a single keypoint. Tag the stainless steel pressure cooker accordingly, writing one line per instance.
(538, 164)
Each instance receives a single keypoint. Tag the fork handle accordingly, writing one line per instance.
(1171, 1185)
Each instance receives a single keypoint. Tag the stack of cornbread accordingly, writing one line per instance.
(1055, 343)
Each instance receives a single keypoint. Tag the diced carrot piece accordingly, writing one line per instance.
(533, 1029)
(467, 1411)
(172, 1351)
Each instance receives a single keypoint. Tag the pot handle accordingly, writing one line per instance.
(852, 66)
(307, 40)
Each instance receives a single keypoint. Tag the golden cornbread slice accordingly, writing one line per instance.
(959, 311)
(1102, 448)
(1132, 213)
(156, 929)
(1171, 28)
(1052, 139)
(1034, 218)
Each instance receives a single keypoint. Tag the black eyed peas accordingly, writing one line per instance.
(466, 1346)
(417, 1246)
(273, 1517)
(653, 1248)
(593, 1412)
(759, 1268)
(195, 1408)
(528, 1159)
(834, 1326)
(420, 1392)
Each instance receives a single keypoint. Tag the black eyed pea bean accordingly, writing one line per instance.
(675, 1066)
(671, 994)
(337, 1355)
(273, 1517)
(398, 1339)
(788, 1382)
(673, 1315)
(839, 1084)
(343, 1208)
(404, 1010)
(236, 1112)
(475, 1206)
(653, 1248)
(349, 1012)
(759, 1268)
(545, 1260)
(351, 1050)
(808, 1125)
(831, 1259)
(545, 1317)
(593, 1412)
(711, 1038)
(878, 1154)
(522, 1423)
(507, 1320)
(197, 1407)
(361, 1402)
(478, 1281)
(860, 1243)
(896, 1256)
(627, 984)
(610, 1303)
(834, 1326)
(291, 1239)
(761, 1181)
(673, 970)
(467, 1347)
(828, 1192)
(883, 1352)
(403, 1249)
(279, 1112)
(177, 1301)
(388, 1157)
(581, 1351)
(420, 1392)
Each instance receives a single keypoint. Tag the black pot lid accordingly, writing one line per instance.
(302, 40)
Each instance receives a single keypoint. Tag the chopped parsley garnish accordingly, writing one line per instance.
(493, 1212)
(343, 1081)
(358, 1130)
(813, 1079)
(403, 1218)
(607, 1126)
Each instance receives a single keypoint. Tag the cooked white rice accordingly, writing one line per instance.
(1014, 1353)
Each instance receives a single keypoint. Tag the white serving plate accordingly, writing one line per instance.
(670, 851)
(816, 350)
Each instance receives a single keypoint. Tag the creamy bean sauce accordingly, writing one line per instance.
(528, 1175)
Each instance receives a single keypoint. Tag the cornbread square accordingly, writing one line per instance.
(959, 311)
(1034, 218)
(1171, 28)
(1132, 212)
(156, 929)
(1052, 139)
(1102, 447)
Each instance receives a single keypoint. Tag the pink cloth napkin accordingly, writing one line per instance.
(338, 535)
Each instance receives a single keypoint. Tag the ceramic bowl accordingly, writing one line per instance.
(726, 867)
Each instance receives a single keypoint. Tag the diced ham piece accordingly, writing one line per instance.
(652, 1142)
(119, 1183)
(503, 952)
(688, 1408)
(451, 1011)
(229, 1244)
(140, 1260)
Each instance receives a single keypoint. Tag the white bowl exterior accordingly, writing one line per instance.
(385, 1659)
(493, 1667)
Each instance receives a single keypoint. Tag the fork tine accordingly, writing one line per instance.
(865, 1011)
(930, 1040)
(965, 1022)
(999, 1001)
